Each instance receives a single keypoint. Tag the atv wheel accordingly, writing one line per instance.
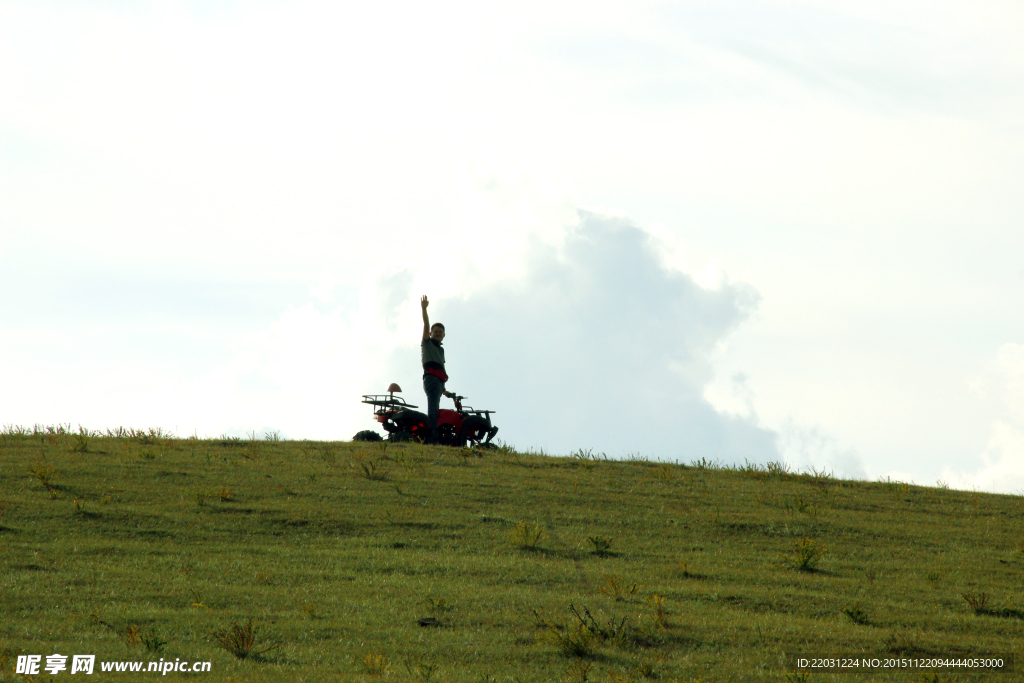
(474, 430)
(446, 435)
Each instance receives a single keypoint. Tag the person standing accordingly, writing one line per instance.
(434, 376)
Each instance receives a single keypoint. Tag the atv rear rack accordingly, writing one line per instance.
(386, 402)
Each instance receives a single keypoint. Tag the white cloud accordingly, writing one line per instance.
(808, 448)
(1003, 459)
(598, 345)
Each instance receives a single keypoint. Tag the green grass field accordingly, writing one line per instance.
(142, 547)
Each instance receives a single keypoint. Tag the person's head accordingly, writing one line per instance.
(437, 331)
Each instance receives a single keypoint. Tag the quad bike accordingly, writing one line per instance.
(454, 427)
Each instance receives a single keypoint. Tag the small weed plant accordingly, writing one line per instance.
(602, 546)
(586, 633)
(420, 668)
(149, 437)
(371, 469)
(45, 474)
(197, 598)
(375, 663)
(804, 506)
(585, 459)
(611, 629)
(901, 642)
(575, 641)
(855, 613)
(499, 447)
(657, 604)
(81, 444)
(663, 473)
(241, 641)
(325, 452)
(153, 642)
(254, 448)
(646, 670)
(751, 469)
(978, 602)
(526, 534)
(80, 510)
(804, 556)
(618, 589)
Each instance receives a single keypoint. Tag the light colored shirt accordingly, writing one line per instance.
(431, 352)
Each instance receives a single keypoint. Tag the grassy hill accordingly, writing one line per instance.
(532, 568)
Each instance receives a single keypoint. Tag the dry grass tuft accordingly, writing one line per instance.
(526, 535)
(240, 641)
(619, 589)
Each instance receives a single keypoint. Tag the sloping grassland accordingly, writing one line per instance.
(320, 559)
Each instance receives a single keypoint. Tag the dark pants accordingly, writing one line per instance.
(433, 386)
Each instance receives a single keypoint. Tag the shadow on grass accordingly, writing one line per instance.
(274, 657)
(678, 639)
(32, 568)
(491, 519)
(551, 554)
(155, 533)
(906, 643)
(817, 571)
(229, 510)
(425, 526)
(1005, 613)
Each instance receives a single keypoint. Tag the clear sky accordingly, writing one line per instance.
(735, 230)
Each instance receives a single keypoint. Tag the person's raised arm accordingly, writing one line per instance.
(426, 319)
